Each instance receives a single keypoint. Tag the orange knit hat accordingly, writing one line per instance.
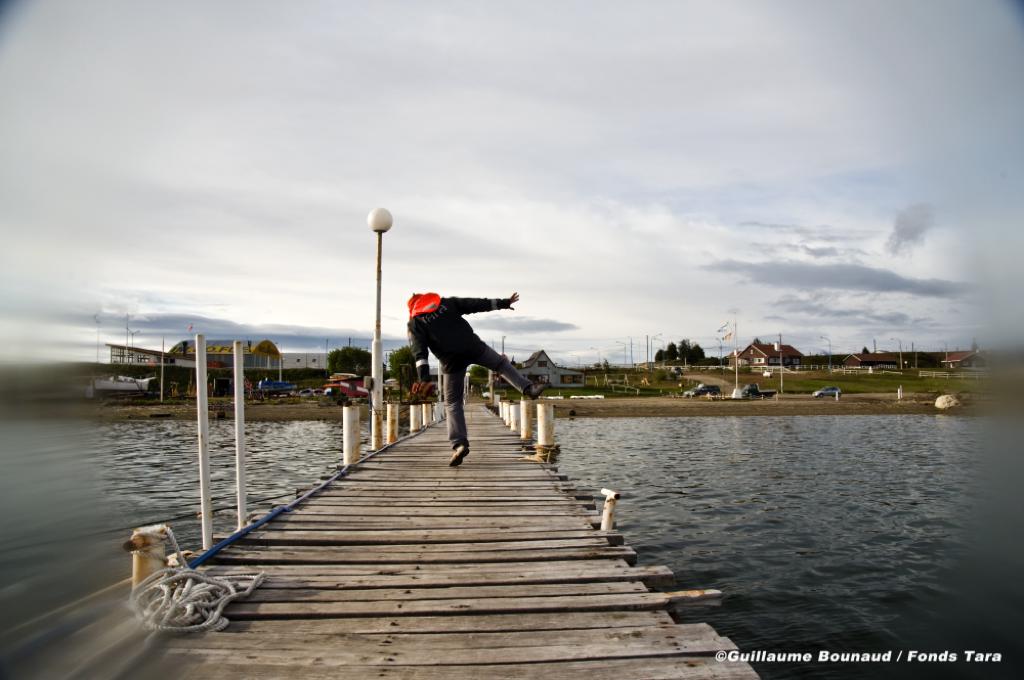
(423, 303)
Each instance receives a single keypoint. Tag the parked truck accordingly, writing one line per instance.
(752, 391)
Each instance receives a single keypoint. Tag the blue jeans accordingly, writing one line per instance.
(454, 391)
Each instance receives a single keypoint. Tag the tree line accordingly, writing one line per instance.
(686, 351)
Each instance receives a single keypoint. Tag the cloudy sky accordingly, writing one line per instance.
(632, 169)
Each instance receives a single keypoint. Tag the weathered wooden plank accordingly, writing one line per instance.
(653, 577)
(656, 668)
(490, 480)
(432, 548)
(318, 594)
(469, 623)
(339, 537)
(241, 609)
(483, 649)
(374, 555)
(359, 522)
(550, 504)
(554, 566)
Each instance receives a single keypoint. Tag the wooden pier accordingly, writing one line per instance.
(408, 568)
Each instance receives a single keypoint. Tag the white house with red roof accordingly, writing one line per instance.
(969, 359)
(767, 354)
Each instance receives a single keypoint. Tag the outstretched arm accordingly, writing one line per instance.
(475, 305)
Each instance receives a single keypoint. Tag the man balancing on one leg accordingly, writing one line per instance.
(436, 323)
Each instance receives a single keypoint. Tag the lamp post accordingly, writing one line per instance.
(654, 343)
(901, 351)
(380, 221)
(829, 341)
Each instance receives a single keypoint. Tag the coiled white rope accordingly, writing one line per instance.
(182, 600)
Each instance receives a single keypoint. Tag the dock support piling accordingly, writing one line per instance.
(239, 361)
(414, 418)
(392, 422)
(203, 415)
(546, 430)
(350, 435)
(148, 552)
(525, 420)
(608, 512)
(545, 424)
(513, 417)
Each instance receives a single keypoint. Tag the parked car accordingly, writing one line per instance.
(702, 390)
(827, 392)
(308, 392)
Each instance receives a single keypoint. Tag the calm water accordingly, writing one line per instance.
(838, 533)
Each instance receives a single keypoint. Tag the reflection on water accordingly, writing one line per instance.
(840, 533)
(75, 490)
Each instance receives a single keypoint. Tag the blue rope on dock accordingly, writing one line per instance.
(244, 531)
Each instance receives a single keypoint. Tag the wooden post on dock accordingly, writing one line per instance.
(148, 552)
(350, 435)
(424, 415)
(545, 428)
(513, 417)
(414, 418)
(525, 420)
(393, 409)
(239, 373)
(608, 512)
(203, 414)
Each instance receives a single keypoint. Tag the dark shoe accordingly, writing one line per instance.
(534, 390)
(461, 451)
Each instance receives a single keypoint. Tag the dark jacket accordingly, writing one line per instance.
(450, 337)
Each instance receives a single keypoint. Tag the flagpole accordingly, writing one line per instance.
(736, 356)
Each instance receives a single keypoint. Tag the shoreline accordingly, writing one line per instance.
(625, 407)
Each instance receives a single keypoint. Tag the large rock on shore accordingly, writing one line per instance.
(946, 401)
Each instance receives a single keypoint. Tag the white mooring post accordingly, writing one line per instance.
(350, 435)
(513, 417)
(393, 409)
(240, 432)
(608, 513)
(203, 414)
(424, 415)
(147, 546)
(525, 420)
(496, 400)
(414, 418)
(546, 425)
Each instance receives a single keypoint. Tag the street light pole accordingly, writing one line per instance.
(901, 351)
(829, 352)
(380, 221)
